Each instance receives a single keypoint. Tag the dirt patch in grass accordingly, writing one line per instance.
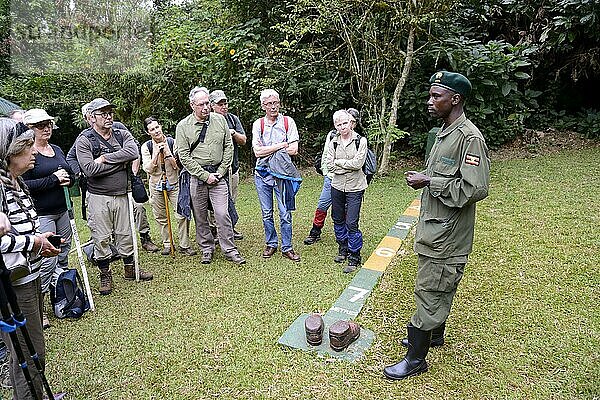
(534, 143)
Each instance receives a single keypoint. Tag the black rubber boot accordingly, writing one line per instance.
(413, 362)
(313, 236)
(342, 253)
(437, 337)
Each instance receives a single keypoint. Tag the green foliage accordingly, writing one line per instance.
(500, 102)
(586, 122)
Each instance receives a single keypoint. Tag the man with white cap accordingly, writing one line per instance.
(107, 183)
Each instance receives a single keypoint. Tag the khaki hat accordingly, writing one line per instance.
(36, 115)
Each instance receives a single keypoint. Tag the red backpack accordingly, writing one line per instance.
(286, 124)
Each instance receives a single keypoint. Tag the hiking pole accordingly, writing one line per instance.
(163, 182)
(136, 257)
(86, 281)
(9, 324)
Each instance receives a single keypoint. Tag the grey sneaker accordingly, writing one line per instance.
(188, 251)
(236, 259)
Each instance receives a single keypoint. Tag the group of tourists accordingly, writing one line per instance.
(196, 174)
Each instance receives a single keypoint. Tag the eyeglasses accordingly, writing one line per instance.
(271, 104)
(42, 125)
(105, 114)
(222, 103)
(204, 104)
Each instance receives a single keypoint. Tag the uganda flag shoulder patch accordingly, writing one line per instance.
(472, 159)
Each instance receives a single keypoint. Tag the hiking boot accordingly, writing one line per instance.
(236, 259)
(311, 239)
(130, 273)
(353, 262)
(206, 258)
(268, 252)
(106, 281)
(147, 243)
(237, 235)
(342, 334)
(313, 236)
(313, 328)
(291, 255)
(342, 254)
(166, 251)
(188, 251)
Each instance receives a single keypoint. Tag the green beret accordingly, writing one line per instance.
(453, 81)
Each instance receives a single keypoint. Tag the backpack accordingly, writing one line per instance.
(370, 166)
(286, 124)
(95, 142)
(150, 144)
(68, 296)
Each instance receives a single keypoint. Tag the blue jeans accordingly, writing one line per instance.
(265, 187)
(345, 212)
(325, 198)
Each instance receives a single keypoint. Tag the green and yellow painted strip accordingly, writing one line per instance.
(354, 296)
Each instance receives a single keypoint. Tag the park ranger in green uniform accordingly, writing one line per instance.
(457, 176)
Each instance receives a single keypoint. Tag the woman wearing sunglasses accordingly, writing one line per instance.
(50, 174)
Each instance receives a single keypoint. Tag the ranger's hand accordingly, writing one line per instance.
(416, 180)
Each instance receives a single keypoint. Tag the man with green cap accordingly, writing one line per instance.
(457, 176)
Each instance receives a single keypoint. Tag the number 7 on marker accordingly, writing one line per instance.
(361, 293)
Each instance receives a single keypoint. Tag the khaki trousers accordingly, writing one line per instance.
(218, 193)
(159, 209)
(108, 216)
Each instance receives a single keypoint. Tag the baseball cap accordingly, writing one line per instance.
(97, 104)
(216, 96)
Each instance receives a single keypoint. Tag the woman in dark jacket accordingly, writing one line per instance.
(46, 182)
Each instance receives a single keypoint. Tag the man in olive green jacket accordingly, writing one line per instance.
(457, 176)
(206, 150)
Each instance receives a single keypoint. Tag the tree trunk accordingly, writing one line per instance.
(387, 144)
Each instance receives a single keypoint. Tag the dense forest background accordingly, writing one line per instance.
(533, 64)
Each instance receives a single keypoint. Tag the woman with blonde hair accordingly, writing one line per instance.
(346, 156)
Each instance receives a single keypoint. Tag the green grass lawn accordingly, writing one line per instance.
(525, 323)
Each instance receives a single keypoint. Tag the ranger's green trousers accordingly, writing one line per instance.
(437, 280)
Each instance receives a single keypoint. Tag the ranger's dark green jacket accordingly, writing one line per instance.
(459, 167)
